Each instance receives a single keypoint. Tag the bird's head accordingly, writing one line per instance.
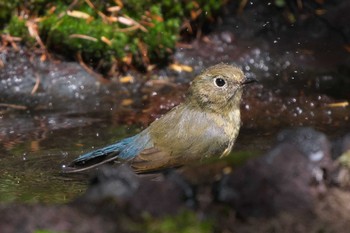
(218, 88)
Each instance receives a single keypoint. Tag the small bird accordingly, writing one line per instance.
(206, 124)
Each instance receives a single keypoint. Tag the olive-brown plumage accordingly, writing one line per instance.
(206, 124)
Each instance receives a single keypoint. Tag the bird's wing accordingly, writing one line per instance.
(181, 136)
(154, 159)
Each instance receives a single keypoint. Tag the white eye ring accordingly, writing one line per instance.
(219, 82)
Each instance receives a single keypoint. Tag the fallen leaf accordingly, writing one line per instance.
(106, 40)
(127, 102)
(320, 11)
(126, 79)
(339, 104)
(125, 21)
(195, 14)
(119, 3)
(181, 68)
(34, 146)
(79, 14)
(114, 8)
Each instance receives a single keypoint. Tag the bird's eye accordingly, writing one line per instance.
(220, 82)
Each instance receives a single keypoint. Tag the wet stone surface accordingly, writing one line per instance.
(288, 178)
(32, 84)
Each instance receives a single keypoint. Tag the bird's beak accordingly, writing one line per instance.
(248, 80)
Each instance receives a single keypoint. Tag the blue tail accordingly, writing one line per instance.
(111, 150)
(124, 149)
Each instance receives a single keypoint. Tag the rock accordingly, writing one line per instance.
(289, 178)
(118, 183)
(120, 187)
(166, 196)
(55, 218)
(60, 85)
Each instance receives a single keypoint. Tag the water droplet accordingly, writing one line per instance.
(266, 23)
(299, 110)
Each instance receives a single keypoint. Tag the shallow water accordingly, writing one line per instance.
(298, 86)
(32, 170)
(32, 163)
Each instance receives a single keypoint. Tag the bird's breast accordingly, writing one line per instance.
(230, 122)
(195, 134)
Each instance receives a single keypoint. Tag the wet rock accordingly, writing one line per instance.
(33, 218)
(158, 198)
(312, 144)
(157, 195)
(289, 178)
(28, 82)
(119, 183)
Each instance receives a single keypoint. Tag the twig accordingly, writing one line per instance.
(99, 77)
(37, 83)
(14, 106)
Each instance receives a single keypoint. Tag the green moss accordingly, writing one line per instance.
(17, 28)
(280, 3)
(160, 20)
(185, 222)
(6, 9)
(46, 231)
